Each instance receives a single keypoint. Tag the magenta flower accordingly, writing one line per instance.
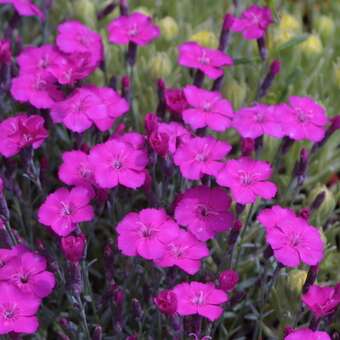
(294, 241)
(253, 22)
(7, 254)
(39, 89)
(5, 52)
(270, 217)
(201, 156)
(76, 169)
(133, 139)
(176, 133)
(200, 298)
(21, 131)
(207, 108)
(247, 180)
(78, 111)
(184, 252)
(146, 233)
(117, 162)
(64, 209)
(27, 271)
(75, 37)
(208, 60)
(204, 211)
(17, 310)
(175, 100)
(258, 120)
(25, 8)
(303, 119)
(166, 301)
(136, 28)
(73, 247)
(322, 301)
(307, 334)
(38, 59)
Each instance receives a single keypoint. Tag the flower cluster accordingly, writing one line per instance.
(24, 282)
(20, 132)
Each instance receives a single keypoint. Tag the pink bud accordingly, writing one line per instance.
(275, 67)
(175, 100)
(166, 301)
(73, 247)
(305, 213)
(151, 122)
(247, 146)
(5, 52)
(228, 280)
(159, 143)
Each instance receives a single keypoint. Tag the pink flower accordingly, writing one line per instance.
(166, 301)
(322, 301)
(136, 28)
(247, 180)
(176, 133)
(78, 111)
(146, 233)
(76, 169)
(199, 298)
(73, 247)
(201, 156)
(208, 108)
(21, 131)
(204, 211)
(208, 60)
(7, 254)
(307, 334)
(184, 252)
(25, 8)
(133, 139)
(117, 162)
(27, 271)
(175, 100)
(39, 89)
(303, 119)
(17, 310)
(38, 59)
(270, 217)
(75, 37)
(64, 209)
(253, 22)
(294, 241)
(5, 51)
(258, 120)
(228, 280)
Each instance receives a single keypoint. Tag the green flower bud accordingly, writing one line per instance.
(326, 207)
(234, 91)
(160, 65)
(205, 38)
(288, 28)
(295, 281)
(169, 28)
(85, 11)
(325, 26)
(312, 46)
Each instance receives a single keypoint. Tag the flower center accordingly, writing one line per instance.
(204, 59)
(8, 312)
(66, 209)
(40, 84)
(200, 157)
(133, 31)
(84, 171)
(245, 178)
(199, 298)
(24, 278)
(294, 240)
(302, 116)
(2, 263)
(202, 211)
(206, 106)
(117, 164)
(259, 117)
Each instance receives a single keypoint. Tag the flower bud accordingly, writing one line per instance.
(247, 146)
(160, 65)
(166, 301)
(295, 281)
(312, 46)
(98, 333)
(169, 28)
(159, 143)
(73, 247)
(287, 29)
(175, 100)
(325, 26)
(85, 11)
(5, 52)
(151, 122)
(205, 38)
(228, 280)
(327, 206)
